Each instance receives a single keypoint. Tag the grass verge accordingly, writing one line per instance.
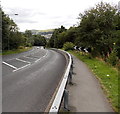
(107, 75)
(15, 51)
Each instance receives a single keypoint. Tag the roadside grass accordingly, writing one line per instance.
(15, 51)
(106, 74)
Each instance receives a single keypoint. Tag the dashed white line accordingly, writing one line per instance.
(23, 60)
(10, 65)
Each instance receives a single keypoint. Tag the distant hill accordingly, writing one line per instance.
(42, 32)
(48, 30)
(46, 33)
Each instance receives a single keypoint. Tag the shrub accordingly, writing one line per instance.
(113, 58)
(68, 46)
(29, 45)
(21, 47)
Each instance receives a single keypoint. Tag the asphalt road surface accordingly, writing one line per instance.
(30, 79)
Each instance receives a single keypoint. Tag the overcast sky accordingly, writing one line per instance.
(47, 14)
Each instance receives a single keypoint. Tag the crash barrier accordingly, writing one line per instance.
(62, 93)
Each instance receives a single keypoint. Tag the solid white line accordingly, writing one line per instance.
(9, 65)
(22, 60)
(21, 68)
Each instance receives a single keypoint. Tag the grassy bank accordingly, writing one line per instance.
(107, 75)
(15, 51)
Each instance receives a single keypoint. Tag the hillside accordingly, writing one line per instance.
(46, 33)
(48, 30)
(42, 32)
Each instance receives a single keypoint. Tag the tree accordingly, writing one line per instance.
(5, 31)
(39, 40)
(96, 28)
(71, 34)
(29, 38)
(68, 46)
(53, 42)
(28, 33)
(11, 37)
(67, 36)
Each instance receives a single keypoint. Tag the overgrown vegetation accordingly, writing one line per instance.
(68, 46)
(107, 75)
(98, 29)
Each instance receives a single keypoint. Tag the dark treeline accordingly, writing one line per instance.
(98, 29)
(13, 39)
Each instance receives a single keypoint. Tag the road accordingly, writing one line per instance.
(30, 79)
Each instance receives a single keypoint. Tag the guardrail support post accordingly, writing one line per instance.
(70, 77)
(71, 72)
(66, 94)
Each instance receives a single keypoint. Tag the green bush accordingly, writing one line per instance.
(21, 47)
(29, 45)
(113, 58)
(68, 46)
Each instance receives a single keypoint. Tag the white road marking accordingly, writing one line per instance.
(42, 57)
(21, 68)
(29, 63)
(23, 60)
(10, 65)
(38, 60)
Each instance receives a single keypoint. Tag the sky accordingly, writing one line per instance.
(47, 14)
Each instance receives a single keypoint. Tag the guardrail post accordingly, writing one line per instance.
(70, 77)
(66, 94)
(71, 68)
(72, 59)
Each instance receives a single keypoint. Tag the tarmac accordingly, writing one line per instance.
(86, 94)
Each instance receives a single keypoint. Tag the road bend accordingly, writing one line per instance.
(30, 79)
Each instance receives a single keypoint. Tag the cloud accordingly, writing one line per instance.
(45, 14)
(24, 15)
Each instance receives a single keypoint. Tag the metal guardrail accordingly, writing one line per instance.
(62, 91)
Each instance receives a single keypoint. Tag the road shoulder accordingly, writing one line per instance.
(86, 94)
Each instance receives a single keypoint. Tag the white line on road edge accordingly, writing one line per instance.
(23, 60)
(21, 68)
(9, 65)
(42, 57)
(57, 101)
